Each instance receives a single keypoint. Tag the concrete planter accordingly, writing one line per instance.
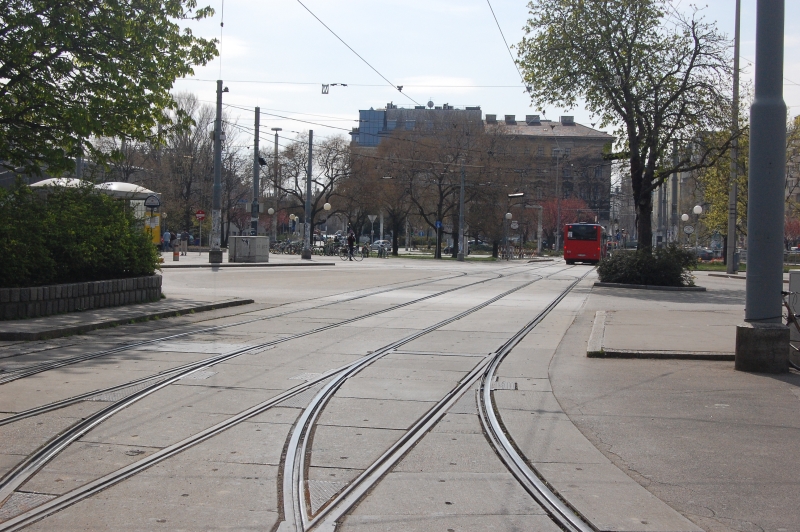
(19, 303)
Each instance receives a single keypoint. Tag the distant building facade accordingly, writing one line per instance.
(377, 124)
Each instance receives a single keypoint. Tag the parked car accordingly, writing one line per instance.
(380, 243)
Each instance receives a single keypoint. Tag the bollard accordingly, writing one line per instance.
(176, 254)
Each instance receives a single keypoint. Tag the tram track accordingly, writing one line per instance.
(296, 506)
(26, 470)
(11, 376)
(191, 367)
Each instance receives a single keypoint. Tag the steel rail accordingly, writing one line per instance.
(527, 476)
(89, 489)
(295, 514)
(39, 368)
(28, 467)
(327, 518)
(82, 397)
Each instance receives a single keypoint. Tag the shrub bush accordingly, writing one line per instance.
(667, 266)
(67, 236)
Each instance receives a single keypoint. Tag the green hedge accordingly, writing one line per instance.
(69, 235)
(667, 266)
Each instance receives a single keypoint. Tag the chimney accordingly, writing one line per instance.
(532, 120)
(567, 120)
(511, 120)
(491, 119)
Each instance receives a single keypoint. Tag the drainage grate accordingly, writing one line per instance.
(199, 375)
(118, 395)
(321, 491)
(504, 385)
(21, 502)
(302, 399)
(305, 377)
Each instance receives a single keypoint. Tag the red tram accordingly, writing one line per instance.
(584, 243)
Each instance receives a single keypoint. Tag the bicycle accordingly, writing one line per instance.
(792, 319)
(344, 254)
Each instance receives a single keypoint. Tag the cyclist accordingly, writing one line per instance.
(351, 243)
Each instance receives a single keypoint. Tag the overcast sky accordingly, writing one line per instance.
(276, 55)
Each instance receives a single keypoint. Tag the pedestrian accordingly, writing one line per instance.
(184, 242)
(351, 243)
(167, 240)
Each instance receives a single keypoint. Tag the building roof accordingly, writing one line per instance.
(542, 128)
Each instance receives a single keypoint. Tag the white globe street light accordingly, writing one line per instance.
(698, 209)
(685, 217)
(327, 206)
(508, 216)
(270, 211)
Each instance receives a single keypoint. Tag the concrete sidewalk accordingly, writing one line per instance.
(715, 444)
(61, 325)
(200, 260)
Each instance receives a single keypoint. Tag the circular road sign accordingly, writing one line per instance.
(688, 229)
(200, 215)
(515, 225)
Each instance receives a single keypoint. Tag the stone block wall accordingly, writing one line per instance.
(18, 303)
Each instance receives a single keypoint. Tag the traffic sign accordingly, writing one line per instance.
(200, 215)
(515, 225)
(438, 224)
(688, 229)
(152, 202)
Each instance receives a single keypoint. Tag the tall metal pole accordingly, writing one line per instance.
(307, 241)
(660, 214)
(215, 254)
(256, 170)
(765, 210)
(673, 217)
(558, 205)
(460, 256)
(539, 230)
(275, 187)
(732, 263)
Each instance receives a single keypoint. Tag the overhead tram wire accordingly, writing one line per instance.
(396, 87)
(516, 66)
(358, 84)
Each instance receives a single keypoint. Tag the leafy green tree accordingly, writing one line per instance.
(89, 68)
(652, 74)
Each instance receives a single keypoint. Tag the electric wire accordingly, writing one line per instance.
(357, 84)
(357, 54)
(516, 66)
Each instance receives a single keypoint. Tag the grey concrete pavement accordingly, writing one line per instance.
(632, 445)
(713, 443)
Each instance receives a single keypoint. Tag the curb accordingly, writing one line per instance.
(652, 287)
(79, 329)
(245, 265)
(662, 355)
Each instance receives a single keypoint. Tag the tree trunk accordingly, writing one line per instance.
(495, 249)
(644, 226)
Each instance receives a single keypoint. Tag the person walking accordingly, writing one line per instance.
(167, 240)
(184, 242)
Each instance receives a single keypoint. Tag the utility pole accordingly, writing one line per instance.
(660, 214)
(733, 192)
(256, 170)
(673, 218)
(275, 188)
(461, 246)
(215, 254)
(762, 341)
(307, 241)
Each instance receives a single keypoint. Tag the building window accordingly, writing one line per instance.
(556, 153)
(540, 151)
(567, 152)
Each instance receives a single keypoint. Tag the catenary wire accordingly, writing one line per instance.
(357, 54)
(521, 77)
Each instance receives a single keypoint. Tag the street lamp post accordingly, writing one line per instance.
(306, 254)
(275, 185)
(215, 254)
(698, 210)
(326, 208)
(507, 218)
(460, 256)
